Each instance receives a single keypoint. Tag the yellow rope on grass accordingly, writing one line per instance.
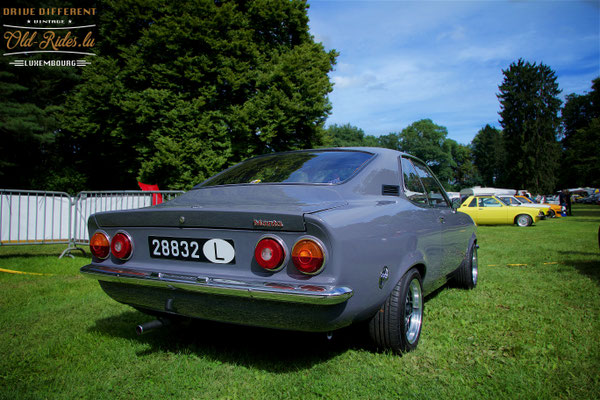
(10, 271)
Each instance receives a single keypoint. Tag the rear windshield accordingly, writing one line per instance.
(301, 167)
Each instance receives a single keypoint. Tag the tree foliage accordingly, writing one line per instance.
(389, 141)
(182, 89)
(464, 172)
(489, 156)
(427, 141)
(529, 107)
(31, 103)
(348, 136)
(581, 141)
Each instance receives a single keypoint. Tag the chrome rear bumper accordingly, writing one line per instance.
(275, 291)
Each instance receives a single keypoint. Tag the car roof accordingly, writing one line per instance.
(376, 150)
(487, 191)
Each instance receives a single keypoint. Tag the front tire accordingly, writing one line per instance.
(524, 220)
(397, 325)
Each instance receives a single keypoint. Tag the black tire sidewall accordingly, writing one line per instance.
(467, 273)
(403, 287)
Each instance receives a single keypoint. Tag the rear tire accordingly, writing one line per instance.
(397, 325)
(467, 274)
(524, 220)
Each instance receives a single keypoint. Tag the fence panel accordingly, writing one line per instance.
(39, 217)
(34, 217)
(88, 203)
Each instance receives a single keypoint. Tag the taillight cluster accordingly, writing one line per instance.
(121, 245)
(308, 254)
(271, 253)
(100, 245)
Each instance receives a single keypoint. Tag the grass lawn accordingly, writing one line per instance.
(531, 329)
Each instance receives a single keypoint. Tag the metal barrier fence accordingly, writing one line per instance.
(88, 203)
(38, 217)
(34, 217)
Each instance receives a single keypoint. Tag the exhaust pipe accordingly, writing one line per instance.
(149, 326)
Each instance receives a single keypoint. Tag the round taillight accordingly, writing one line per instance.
(121, 246)
(269, 254)
(100, 245)
(308, 256)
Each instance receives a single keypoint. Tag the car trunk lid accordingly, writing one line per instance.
(260, 207)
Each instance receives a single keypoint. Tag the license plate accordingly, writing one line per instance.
(217, 251)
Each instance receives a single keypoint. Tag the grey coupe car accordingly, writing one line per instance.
(311, 240)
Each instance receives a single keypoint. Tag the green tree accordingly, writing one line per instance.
(31, 103)
(488, 155)
(580, 164)
(23, 129)
(427, 141)
(389, 141)
(182, 89)
(529, 107)
(345, 136)
(464, 172)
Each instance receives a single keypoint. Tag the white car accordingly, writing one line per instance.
(513, 201)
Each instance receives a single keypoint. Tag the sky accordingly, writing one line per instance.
(405, 60)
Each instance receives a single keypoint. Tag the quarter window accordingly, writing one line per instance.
(435, 193)
(413, 188)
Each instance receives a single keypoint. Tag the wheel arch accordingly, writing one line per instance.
(530, 215)
(421, 268)
(412, 260)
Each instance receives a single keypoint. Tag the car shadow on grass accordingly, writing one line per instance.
(587, 265)
(271, 350)
(589, 268)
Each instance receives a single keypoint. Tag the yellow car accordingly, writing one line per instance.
(489, 210)
(554, 207)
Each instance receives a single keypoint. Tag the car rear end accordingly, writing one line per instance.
(224, 274)
(240, 253)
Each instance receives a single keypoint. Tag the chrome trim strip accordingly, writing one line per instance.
(283, 292)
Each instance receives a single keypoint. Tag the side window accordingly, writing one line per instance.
(435, 193)
(473, 202)
(489, 202)
(413, 188)
(509, 201)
